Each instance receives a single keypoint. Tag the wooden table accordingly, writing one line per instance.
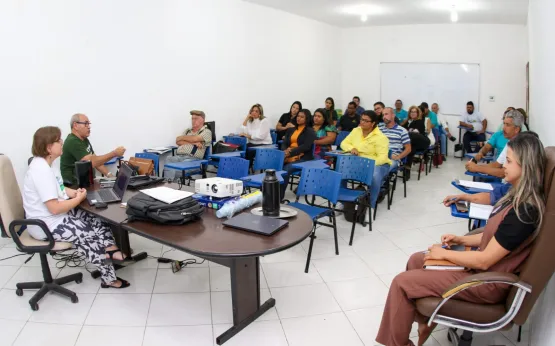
(238, 250)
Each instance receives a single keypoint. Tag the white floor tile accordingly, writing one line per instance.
(359, 293)
(342, 268)
(267, 333)
(120, 336)
(179, 336)
(294, 254)
(386, 225)
(325, 248)
(435, 232)
(222, 308)
(6, 252)
(304, 300)
(6, 273)
(290, 274)
(373, 242)
(220, 279)
(28, 274)
(389, 262)
(430, 342)
(408, 238)
(14, 307)
(179, 309)
(89, 285)
(322, 330)
(141, 280)
(366, 323)
(185, 280)
(9, 330)
(128, 310)
(139, 242)
(58, 309)
(42, 334)
(387, 278)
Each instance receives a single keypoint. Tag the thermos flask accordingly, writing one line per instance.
(270, 194)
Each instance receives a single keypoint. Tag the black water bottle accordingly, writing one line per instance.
(270, 194)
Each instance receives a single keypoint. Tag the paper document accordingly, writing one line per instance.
(158, 150)
(476, 185)
(166, 194)
(479, 211)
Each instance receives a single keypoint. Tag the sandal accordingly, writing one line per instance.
(113, 260)
(124, 284)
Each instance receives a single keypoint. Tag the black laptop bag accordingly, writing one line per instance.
(142, 207)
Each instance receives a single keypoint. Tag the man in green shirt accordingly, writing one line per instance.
(77, 147)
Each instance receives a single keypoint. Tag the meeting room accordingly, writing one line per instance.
(262, 172)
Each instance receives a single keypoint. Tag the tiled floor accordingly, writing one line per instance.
(339, 302)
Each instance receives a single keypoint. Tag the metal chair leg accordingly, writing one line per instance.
(312, 236)
(353, 226)
(335, 233)
(519, 334)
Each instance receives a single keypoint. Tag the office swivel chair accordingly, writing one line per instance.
(527, 285)
(12, 218)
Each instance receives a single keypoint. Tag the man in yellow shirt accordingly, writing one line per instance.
(368, 141)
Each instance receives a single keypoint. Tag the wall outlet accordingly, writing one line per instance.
(492, 99)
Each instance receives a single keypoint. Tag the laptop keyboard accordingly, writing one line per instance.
(107, 195)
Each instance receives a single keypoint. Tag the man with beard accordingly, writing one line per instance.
(399, 141)
(475, 124)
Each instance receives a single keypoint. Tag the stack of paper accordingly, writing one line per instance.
(158, 150)
(475, 185)
(479, 211)
(166, 194)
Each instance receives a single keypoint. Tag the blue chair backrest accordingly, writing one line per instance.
(355, 168)
(340, 137)
(269, 159)
(233, 167)
(274, 137)
(240, 141)
(324, 183)
(150, 156)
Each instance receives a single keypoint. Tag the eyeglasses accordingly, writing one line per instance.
(86, 123)
(365, 120)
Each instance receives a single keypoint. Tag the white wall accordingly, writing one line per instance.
(136, 67)
(542, 93)
(501, 51)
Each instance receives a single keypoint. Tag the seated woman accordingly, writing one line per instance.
(45, 198)
(368, 141)
(256, 128)
(297, 145)
(329, 112)
(288, 120)
(502, 247)
(325, 133)
(419, 140)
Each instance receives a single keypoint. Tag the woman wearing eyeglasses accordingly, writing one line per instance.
(47, 199)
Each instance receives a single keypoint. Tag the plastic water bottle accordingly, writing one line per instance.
(232, 207)
(270, 194)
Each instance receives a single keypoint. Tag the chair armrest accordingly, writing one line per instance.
(483, 278)
(476, 231)
(31, 249)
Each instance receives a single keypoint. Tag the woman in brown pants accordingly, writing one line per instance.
(502, 247)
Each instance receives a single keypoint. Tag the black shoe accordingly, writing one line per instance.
(407, 174)
(443, 158)
(452, 139)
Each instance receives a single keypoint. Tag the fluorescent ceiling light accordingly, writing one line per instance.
(454, 16)
(460, 5)
(364, 17)
(363, 9)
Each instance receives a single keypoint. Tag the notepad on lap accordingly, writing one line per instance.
(446, 265)
(479, 211)
(166, 194)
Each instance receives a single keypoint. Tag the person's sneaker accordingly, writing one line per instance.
(443, 158)
(452, 139)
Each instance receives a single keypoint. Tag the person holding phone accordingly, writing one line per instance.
(256, 128)
(502, 247)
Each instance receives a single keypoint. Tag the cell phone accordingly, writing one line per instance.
(461, 207)
(457, 247)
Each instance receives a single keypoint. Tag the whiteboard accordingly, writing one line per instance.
(450, 85)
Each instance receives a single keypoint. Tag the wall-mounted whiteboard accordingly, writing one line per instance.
(451, 85)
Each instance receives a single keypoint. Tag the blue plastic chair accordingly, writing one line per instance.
(361, 170)
(233, 168)
(273, 133)
(151, 156)
(269, 159)
(310, 183)
(340, 137)
(190, 168)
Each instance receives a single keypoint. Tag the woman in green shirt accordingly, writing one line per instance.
(325, 133)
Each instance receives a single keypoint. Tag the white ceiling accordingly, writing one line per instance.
(398, 12)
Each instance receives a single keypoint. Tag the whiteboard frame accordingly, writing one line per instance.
(476, 105)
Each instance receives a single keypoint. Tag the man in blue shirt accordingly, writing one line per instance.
(399, 140)
(400, 113)
(359, 110)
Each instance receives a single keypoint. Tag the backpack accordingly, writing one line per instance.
(142, 207)
(349, 208)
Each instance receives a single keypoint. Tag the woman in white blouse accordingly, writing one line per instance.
(256, 128)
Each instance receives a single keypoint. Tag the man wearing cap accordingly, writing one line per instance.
(192, 144)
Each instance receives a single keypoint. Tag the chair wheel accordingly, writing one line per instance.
(19, 292)
(75, 299)
(34, 307)
(78, 281)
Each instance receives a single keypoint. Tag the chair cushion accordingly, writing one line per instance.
(27, 240)
(313, 212)
(478, 313)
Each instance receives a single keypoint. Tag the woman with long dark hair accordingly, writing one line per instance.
(330, 112)
(502, 247)
(325, 133)
(288, 120)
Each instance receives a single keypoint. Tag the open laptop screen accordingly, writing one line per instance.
(122, 180)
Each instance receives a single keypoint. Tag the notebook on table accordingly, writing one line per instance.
(448, 265)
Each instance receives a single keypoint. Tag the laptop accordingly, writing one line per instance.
(256, 224)
(115, 193)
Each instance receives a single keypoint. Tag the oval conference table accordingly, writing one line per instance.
(207, 238)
